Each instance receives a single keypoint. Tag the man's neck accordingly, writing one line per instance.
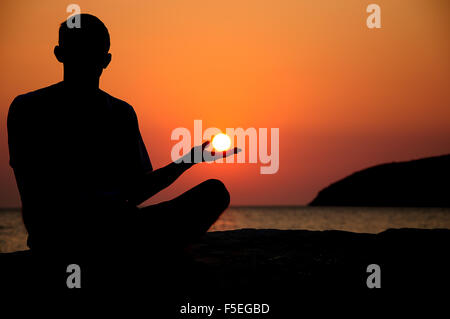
(81, 85)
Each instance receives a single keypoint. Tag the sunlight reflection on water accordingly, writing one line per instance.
(355, 219)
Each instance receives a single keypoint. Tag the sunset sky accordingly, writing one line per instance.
(343, 96)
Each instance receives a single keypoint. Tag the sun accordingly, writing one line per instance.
(221, 142)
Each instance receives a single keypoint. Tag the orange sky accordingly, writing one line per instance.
(344, 97)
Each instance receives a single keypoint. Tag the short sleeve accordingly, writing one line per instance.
(14, 137)
(143, 154)
(143, 159)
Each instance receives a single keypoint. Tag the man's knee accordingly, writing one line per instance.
(218, 191)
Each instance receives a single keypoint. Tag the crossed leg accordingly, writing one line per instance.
(186, 218)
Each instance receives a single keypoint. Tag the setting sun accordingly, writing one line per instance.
(221, 142)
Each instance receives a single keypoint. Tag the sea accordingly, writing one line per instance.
(355, 219)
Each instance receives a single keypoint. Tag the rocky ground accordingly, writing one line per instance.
(279, 267)
(274, 259)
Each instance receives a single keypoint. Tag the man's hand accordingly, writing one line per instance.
(210, 156)
(207, 156)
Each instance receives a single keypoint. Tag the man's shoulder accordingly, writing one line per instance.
(39, 93)
(34, 96)
(120, 105)
(26, 101)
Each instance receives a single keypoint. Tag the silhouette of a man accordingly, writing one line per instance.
(81, 165)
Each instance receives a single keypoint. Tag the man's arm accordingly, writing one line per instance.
(153, 182)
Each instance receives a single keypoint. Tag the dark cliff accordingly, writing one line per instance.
(418, 183)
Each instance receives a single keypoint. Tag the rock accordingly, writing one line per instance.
(417, 183)
(276, 260)
(253, 265)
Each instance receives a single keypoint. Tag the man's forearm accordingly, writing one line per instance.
(155, 181)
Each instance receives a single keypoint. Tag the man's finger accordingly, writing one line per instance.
(232, 151)
(228, 153)
(205, 144)
(218, 155)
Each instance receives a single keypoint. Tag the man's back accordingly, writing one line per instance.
(75, 155)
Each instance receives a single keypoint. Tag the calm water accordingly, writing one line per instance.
(355, 219)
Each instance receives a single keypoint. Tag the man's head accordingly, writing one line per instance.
(84, 50)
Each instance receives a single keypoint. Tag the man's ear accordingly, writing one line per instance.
(107, 60)
(58, 51)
